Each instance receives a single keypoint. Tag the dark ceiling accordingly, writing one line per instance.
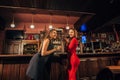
(105, 10)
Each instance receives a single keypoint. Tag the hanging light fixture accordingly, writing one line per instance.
(32, 26)
(12, 24)
(67, 26)
(50, 25)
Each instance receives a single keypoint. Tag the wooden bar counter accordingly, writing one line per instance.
(13, 67)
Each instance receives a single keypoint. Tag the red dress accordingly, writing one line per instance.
(73, 59)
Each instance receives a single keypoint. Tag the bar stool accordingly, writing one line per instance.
(105, 74)
(116, 71)
(85, 78)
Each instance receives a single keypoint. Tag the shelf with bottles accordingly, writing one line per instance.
(107, 36)
(60, 33)
(30, 46)
(30, 36)
(97, 46)
(58, 42)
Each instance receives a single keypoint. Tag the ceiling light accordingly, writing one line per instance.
(32, 25)
(67, 26)
(12, 24)
(50, 26)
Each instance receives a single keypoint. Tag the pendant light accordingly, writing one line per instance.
(12, 24)
(32, 26)
(67, 26)
(50, 25)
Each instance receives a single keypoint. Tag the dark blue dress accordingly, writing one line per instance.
(39, 66)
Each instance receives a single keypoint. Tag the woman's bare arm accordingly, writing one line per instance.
(44, 51)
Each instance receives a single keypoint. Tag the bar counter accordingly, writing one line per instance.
(13, 67)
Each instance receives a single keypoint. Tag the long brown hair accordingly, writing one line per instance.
(75, 32)
(46, 36)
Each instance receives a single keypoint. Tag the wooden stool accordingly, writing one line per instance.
(104, 74)
(116, 71)
(84, 78)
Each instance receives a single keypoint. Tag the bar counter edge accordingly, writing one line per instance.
(82, 55)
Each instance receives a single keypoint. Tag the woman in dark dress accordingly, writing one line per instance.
(73, 59)
(39, 66)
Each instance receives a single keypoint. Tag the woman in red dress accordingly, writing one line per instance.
(72, 56)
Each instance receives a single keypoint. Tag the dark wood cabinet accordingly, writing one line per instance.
(13, 47)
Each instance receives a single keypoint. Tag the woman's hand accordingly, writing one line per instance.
(58, 48)
(67, 40)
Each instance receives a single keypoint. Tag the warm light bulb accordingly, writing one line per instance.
(32, 26)
(50, 26)
(67, 27)
(12, 25)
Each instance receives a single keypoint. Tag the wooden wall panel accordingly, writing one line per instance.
(1, 69)
(82, 70)
(2, 37)
(15, 72)
(23, 68)
(6, 71)
(94, 67)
